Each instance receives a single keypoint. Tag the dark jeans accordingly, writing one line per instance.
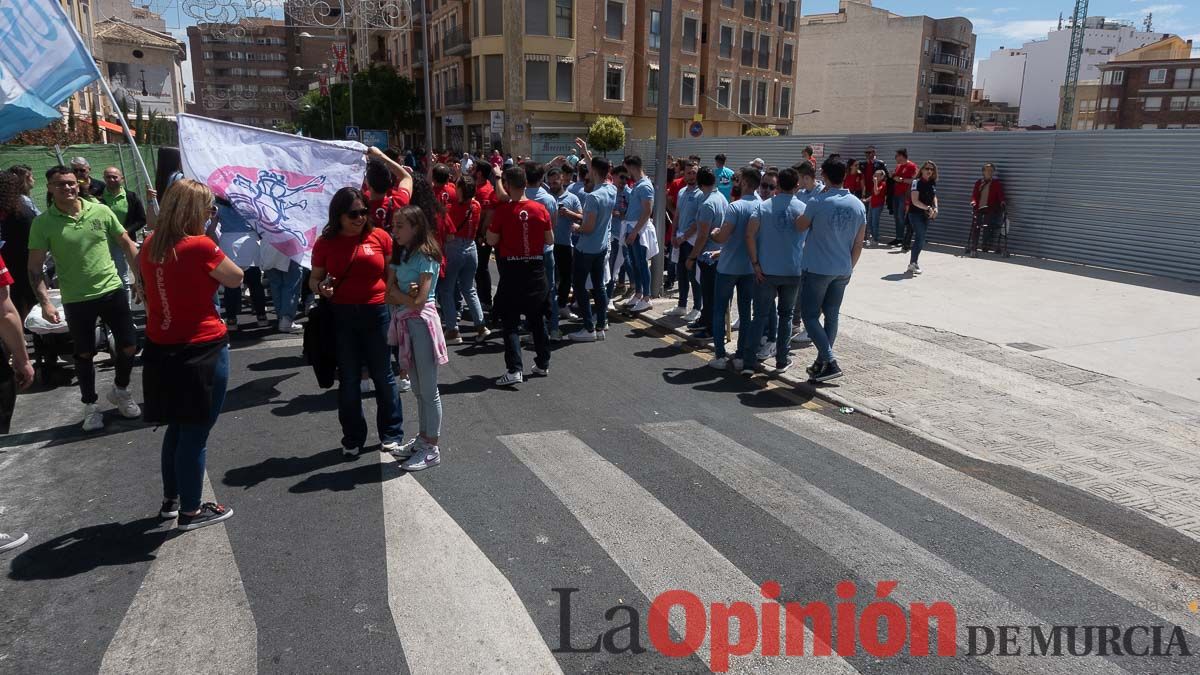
(687, 279)
(920, 224)
(185, 446)
(523, 290)
(822, 294)
(708, 290)
(726, 284)
(766, 292)
(563, 259)
(258, 296)
(362, 342)
(591, 265)
(113, 310)
(483, 276)
(899, 214)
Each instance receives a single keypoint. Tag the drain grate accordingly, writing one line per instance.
(1027, 346)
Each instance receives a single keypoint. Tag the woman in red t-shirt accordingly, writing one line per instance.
(462, 261)
(186, 359)
(349, 269)
(854, 178)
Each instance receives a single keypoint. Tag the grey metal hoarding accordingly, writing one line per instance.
(1122, 199)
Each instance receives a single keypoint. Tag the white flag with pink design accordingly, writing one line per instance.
(280, 183)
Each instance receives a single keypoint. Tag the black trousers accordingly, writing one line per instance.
(523, 291)
(564, 255)
(483, 275)
(113, 310)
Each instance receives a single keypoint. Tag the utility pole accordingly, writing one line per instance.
(660, 153)
(1074, 57)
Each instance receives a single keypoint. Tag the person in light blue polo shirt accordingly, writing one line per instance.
(724, 177)
(735, 272)
(535, 191)
(566, 215)
(591, 252)
(775, 239)
(835, 237)
(638, 233)
(710, 216)
(685, 238)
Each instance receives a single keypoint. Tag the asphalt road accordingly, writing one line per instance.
(633, 469)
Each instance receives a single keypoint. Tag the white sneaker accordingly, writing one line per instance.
(913, 268)
(600, 335)
(540, 372)
(692, 315)
(403, 384)
(766, 351)
(8, 542)
(428, 456)
(641, 306)
(286, 325)
(736, 324)
(349, 452)
(801, 337)
(124, 402)
(583, 335)
(676, 311)
(509, 379)
(93, 420)
(720, 363)
(612, 307)
(403, 451)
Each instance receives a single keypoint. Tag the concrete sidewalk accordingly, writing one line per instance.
(940, 354)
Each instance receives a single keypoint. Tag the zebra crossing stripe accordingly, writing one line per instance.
(861, 543)
(454, 611)
(191, 615)
(656, 549)
(1140, 579)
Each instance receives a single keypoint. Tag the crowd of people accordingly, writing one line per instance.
(405, 257)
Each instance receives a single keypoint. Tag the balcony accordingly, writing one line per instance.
(936, 120)
(947, 90)
(455, 43)
(944, 59)
(457, 98)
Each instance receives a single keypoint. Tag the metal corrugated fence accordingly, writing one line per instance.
(1123, 199)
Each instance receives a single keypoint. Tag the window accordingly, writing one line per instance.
(614, 20)
(537, 80)
(564, 18)
(1154, 103)
(655, 29)
(744, 97)
(687, 90)
(764, 51)
(1194, 103)
(760, 101)
(765, 10)
(1183, 78)
(727, 3)
(537, 21)
(493, 67)
(614, 81)
(724, 89)
(786, 66)
(790, 24)
(652, 87)
(493, 17)
(748, 8)
(691, 26)
(1158, 75)
(1178, 103)
(922, 78)
(726, 51)
(926, 45)
(478, 80)
(1118, 77)
(564, 82)
(785, 101)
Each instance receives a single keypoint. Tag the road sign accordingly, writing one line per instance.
(696, 129)
(375, 137)
(497, 122)
(352, 133)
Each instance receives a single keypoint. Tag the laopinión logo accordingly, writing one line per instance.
(883, 629)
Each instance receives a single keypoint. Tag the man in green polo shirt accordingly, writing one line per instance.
(129, 212)
(77, 233)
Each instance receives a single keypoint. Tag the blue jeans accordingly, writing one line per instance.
(898, 202)
(362, 342)
(462, 261)
(284, 286)
(424, 374)
(585, 266)
(726, 283)
(687, 279)
(551, 275)
(784, 288)
(185, 446)
(920, 223)
(873, 222)
(639, 266)
(822, 294)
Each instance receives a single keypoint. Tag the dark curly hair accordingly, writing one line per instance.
(11, 191)
(423, 197)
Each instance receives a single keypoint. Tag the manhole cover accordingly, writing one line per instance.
(1027, 346)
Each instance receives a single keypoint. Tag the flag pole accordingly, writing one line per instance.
(137, 156)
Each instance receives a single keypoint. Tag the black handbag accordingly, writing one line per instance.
(320, 335)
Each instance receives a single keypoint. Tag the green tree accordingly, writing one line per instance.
(383, 99)
(761, 131)
(606, 134)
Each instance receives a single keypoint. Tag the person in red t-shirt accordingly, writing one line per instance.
(903, 177)
(462, 261)
(349, 269)
(186, 359)
(519, 231)
(390, 187)
(486, 195)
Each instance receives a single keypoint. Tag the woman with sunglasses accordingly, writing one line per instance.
(185, 364)
(924, 209)
(349, 269)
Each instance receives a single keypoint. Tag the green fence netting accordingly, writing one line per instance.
(100, 156)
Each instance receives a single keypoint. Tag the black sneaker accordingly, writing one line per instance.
(829, 371)
(893, 243)
(169, 509)
(782, 366)
(210, 514)
(814, 368)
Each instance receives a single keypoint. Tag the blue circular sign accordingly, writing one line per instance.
(696, 129)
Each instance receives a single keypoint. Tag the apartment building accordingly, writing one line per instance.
(1155, 87)
(865, 69)
(531, 75)
(1083, 116)
(241, 75)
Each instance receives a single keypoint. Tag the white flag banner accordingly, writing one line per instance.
(280, 183)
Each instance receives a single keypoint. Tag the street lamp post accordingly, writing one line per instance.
(325, 68)
(309, 36)
(660, 155)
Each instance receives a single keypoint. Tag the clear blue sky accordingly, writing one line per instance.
(998, 23)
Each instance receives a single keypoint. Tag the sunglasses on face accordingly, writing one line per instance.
(358, 213)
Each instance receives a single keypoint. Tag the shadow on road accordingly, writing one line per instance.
(311, 403)
(278, 363)
(341, 481)
(254, 393)
(475, 384)
(901, 276)
(90, 547)
(281, 467)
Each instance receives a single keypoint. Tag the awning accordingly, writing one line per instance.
(110, 126)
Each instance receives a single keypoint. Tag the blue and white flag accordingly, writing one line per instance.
(42, 62)
(280, 183)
